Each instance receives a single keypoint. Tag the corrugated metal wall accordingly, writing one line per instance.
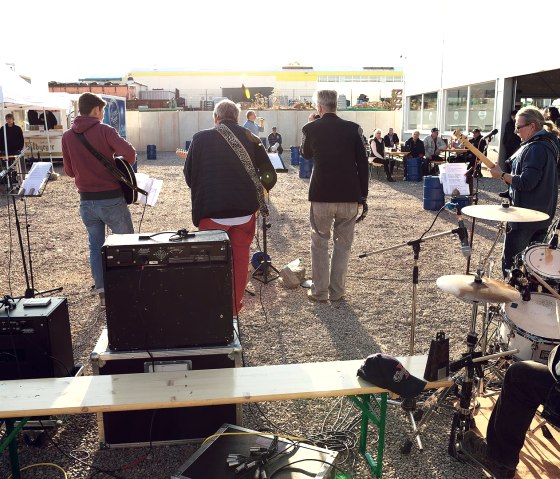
(169, 130)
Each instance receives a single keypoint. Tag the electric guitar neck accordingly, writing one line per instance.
(475, 151)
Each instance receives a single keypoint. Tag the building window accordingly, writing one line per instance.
(429, 113)
(456, 109)
(481, 106)
(414, 112)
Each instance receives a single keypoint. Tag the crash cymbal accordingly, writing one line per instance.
(464, 286)
(502, 213)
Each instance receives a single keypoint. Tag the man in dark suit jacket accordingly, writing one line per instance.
(224, 195)
(391, 139)
(339, 183)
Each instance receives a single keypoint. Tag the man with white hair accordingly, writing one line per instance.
(338, 185)
(226, 169)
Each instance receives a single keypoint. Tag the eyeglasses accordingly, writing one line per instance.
(518, 127)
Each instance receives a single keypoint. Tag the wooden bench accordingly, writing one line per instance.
(126, 392)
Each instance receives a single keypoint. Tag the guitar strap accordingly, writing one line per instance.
(107, 164)
(242, 154)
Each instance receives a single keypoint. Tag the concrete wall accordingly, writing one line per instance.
(169, 130)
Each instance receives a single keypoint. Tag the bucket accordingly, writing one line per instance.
(294, 150)
(434, 198)
(151, 151)
(462, 201)
(414, 169)
(305, 167)
(187, 145)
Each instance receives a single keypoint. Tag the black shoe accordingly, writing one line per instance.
(390, 179)
(504, 194)
(475, 447)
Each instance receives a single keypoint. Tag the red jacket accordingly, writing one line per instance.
(88, 172)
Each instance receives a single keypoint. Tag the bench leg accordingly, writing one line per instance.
(363, 402)
(10, 442)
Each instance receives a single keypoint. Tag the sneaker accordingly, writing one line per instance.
(315, 299)
(337, 300)
(474, 446)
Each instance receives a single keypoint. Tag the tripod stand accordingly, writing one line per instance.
(409, 405)
(39, 182)
(261, 273)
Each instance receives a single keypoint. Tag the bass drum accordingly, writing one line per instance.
(532, 327)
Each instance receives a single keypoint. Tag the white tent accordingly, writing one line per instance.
(16, 93)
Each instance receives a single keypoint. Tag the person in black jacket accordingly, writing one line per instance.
(51, 120)
(339, 183)
(391, 139)
(223, 190)
(510, 140)
(415, 148)
(377, 149)
(533, 182)
(14, 137)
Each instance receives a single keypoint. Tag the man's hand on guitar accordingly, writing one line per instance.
(496, 172)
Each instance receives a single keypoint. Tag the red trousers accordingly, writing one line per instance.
(240, 237)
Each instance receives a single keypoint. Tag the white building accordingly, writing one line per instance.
(508, 60)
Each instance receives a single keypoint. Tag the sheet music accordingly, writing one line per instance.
(277, 162)
(36, 179)
(151, 185)
(452, 177)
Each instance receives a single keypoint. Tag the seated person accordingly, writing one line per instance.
(377, 148)
(433, 145)
(527, 385)
(275, 138)
(415, 148)
(51, 120)
(391, 139)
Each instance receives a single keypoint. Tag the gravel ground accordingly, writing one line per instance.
(277, 325)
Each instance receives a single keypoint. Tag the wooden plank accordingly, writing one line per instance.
(125, 392)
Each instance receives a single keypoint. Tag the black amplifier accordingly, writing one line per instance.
(163, 291)
(35, 340)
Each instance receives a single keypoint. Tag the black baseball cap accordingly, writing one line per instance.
(476, 129)
(435, 129)
(387, 372)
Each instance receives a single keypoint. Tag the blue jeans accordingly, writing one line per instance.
(95, 215)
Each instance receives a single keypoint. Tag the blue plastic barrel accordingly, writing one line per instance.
(152, 152)
(305, 167)
(462, 201)
(414, 169)
(294, 150)
(434, 198)
(187, 145)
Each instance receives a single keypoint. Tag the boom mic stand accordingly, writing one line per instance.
(409, 405)
(262, 272)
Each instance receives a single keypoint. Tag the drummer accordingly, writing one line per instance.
(533, 182)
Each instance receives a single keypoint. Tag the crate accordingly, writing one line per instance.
(169, 425)
(210, 460)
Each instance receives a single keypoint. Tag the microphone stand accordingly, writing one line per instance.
(409, 405)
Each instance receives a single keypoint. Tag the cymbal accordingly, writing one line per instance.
(501, 213)
(464, 286)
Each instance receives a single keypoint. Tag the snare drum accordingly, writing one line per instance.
(543, 261)
(532, 327)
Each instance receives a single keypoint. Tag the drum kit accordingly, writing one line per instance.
(526, 325)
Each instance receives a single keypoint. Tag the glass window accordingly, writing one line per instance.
(429, 116)
(414, 111)
(481, 106)
(456, 109)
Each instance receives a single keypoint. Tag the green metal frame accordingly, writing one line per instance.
(364, 402)
(10, 442)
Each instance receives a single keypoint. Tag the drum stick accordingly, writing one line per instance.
(546, 286)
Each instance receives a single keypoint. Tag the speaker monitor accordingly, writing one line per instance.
(35, 342)
(163, 294)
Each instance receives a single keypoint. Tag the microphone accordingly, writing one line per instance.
(492, 133)
(464, 238)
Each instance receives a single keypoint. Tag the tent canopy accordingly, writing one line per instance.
(16, 93)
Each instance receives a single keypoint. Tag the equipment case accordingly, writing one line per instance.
(163, 426)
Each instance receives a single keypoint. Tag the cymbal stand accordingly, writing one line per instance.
(409, 405)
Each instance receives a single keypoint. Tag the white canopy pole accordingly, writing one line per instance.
(48, 137)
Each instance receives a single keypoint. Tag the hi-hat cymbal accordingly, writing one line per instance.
(464, 286)
(502, 213)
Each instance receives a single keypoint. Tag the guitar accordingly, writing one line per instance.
(127, 180)
(475, 151)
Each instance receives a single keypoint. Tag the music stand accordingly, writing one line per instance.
(33, 186)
